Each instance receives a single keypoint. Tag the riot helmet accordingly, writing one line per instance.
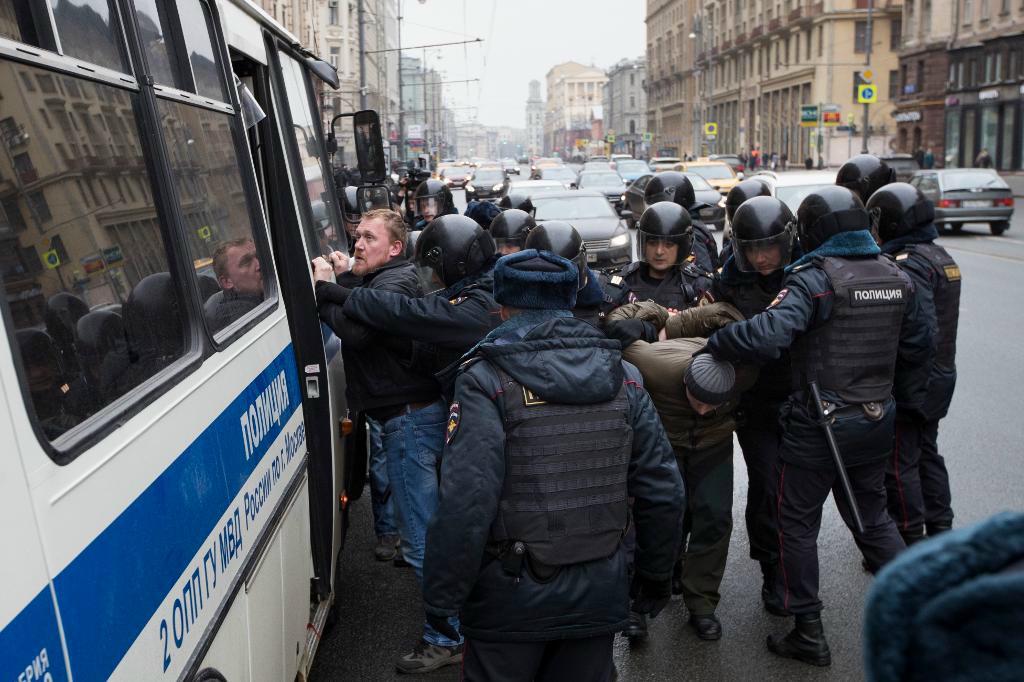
(670, 186)
(153, 320)
(664, 223)
(864, 174)
(899, 209)
(433, 199)
(454, 247)
(509, 229)
(561, 239)
(350, 205)
(517, 200)
(748, 189)
(762, 235)
(827, 212)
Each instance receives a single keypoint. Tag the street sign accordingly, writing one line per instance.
(648, 137)
(831, 118)
(204, 233)
(867, 76)
(581, 143)
(809, 116)
(711, 129)
(51, 259)
(610, 138)
(867, 94)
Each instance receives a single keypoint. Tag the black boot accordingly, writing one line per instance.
(912, 537)
(805, 642)
(771, 603)
(936, 528)
(677, 577)
(637, 627)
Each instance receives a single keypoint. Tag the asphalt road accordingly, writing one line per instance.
(980, 439)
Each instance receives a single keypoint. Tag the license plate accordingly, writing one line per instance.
(976, 203)
(591, 257)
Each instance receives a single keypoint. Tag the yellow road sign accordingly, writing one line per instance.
(204, 233)
(710, 128)
(51, 259)
(867, 94)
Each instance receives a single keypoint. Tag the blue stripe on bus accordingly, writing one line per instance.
(108, 593)
(30, 644)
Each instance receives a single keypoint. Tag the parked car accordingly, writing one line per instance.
(565, 175)
(713, 217)
(631, 169)
(544, 162)
(967, 195)
(661, 163)
(905, 165)
(604, 233)
(719, 174)
(605, 181)
(731, 159)
(486, 184)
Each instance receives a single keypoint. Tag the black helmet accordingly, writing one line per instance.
(436, 191)
(516, 200)
(454, 247)
(665, 221)
(350, 204)
(748, 189)
(561, 239)
(511, 227)
(864, 174)
(153, 319)
(670, 186)
(762, 234)
(900, 209)
(827, 212)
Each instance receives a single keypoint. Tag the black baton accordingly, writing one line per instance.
(838, 458)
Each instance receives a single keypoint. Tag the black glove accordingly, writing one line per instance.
(654, 596)
(441, 624)
(630, 331)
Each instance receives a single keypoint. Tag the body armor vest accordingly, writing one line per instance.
(853, 355)
(680, 289)
(566, 466)
(946, 293)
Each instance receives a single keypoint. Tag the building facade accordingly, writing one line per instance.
(573, 90)
(984, 89)
(534, 121)
(625, 106)
(426, 123)
(750, 67)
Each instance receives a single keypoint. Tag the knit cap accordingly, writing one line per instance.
(710, 381)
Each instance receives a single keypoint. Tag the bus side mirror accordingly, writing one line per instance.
(370, 147)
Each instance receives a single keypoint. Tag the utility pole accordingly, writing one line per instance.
(362, 55)
(401, 102)
(869, 40)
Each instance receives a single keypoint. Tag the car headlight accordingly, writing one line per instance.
(622, 198)
(721, 202)
(447, 181)
(619, 240)
(497, 188)
(470, 188)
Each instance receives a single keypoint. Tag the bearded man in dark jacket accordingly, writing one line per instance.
(550, 432)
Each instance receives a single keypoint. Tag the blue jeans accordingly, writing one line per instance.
(412, 443)
(384, 522)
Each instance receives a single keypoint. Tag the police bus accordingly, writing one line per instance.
(172, 475)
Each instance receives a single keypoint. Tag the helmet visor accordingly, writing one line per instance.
(661, 251)
(580, 261)
(507, 245)
(428, 205)
(763, 256)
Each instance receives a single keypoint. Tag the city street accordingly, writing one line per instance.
(380, 613)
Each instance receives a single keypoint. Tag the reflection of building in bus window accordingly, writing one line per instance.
(241, 282)
(46, 382)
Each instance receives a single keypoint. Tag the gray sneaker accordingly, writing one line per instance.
(426, 657)
(387, 548)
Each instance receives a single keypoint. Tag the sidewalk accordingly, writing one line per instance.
(1016, 182)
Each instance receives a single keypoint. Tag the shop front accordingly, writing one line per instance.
(987, 120)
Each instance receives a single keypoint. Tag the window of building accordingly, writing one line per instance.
(983, 6)
(895, 34)
(894, 84)
(990, 71)
(860, 37)
(926, 17)
(632, 102)
(1004, 7)
(807, 44)
(968, 12)
(972, 73)
(920, 76)
(332, 12)
(335, 54)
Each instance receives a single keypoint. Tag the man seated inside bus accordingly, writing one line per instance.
(237, 267)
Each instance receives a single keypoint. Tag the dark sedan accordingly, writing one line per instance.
(967, 195)
(604, 233)
(486, 184)
(713, 216)
(607, 182)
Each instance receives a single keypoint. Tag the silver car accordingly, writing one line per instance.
(967, 195)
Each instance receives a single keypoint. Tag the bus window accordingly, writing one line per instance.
(82, 257)
(218, 225)
(326, 234)
(197, 25)
(89, 30)
(159, 43)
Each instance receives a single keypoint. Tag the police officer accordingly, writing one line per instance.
(676, 187)
(918, 483)
(509, 229)
(846, 314)
(432, 199)
(747, 189)
(526, 550)
(764, 242)
(865, 174)
(517, 200)
(663, 274)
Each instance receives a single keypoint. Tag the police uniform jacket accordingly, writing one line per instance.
(805, 304)
(378, 372)
(705, 248)
(561, 361)
(681, 287)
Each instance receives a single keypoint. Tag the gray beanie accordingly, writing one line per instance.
(710, 381)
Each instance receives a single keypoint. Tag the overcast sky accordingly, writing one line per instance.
(523, 39)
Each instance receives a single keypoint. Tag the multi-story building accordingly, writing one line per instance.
(984, 84)
(573, 91)
(922, 80)
(423, 107)
(753, 65)
(671, 88)
(625, 105)
(534, 121)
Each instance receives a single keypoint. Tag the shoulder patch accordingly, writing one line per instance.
(457, 300)
(801, 267)
(454, 415)
(616, 280)
(952, 272)
(902, 256)
(530, 398)
(778, 298)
